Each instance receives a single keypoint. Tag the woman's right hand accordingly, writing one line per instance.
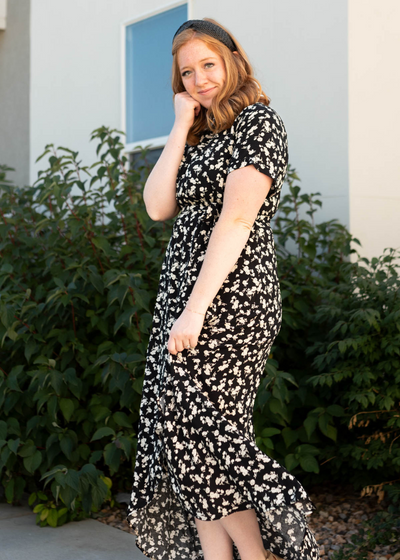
(186, 109)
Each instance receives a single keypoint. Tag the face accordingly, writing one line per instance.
(202, 71)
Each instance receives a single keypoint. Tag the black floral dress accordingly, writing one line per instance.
(196, 453)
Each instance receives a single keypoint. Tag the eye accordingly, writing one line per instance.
(206, 64)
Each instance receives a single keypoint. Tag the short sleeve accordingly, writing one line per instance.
(261, 140)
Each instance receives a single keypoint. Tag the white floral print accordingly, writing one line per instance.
(196, 453)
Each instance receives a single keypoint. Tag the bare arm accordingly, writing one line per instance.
(159, 192)
(245, 191)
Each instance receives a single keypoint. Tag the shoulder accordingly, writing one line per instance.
(257, 116)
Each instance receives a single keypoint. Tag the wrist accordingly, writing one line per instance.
(180, 128)
(197, 310)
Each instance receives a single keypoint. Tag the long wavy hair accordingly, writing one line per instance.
(240, 89)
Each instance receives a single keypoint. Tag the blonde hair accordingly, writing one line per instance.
(240, 89)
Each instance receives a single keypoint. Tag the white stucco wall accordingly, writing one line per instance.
(298, 49)
(14, 90)
(76, 72)
(299, 53)
(374, 123)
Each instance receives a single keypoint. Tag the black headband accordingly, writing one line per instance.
(209, 28)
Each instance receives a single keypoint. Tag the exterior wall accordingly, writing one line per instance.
(299, 54)
(14, 90)
(76, 72)
(328, 68)
(374, 124)
(298, 50)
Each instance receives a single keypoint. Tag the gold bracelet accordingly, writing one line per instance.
(195, 311)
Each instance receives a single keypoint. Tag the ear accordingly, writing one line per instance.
(235, 52)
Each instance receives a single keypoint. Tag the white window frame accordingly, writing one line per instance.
(3, 14)
(160, 141)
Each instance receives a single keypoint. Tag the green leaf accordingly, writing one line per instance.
(56, 378)
(9, 490)
(290, 436)
(323, 421)
(309, 464)
(13, 445)
(72, 479)
(99, 493)
(62, 512)
(96, 456)
(7, 268)
(277, 407)
(67, 495)
(307, 449)
(3, 429)
(121, 419)
(52, 517)
(310, 424)
(89, 471)
(134, 358)
(291, 462)
(7, 316)
(103, 244)
(138, 385)
(81, 296)
(335, 410)
(103, 432)
(32, 499)
(67, 408)
(141, 298)
(125, 318)
(388, 402)
(33, 462)
(97, 281)
(331, 432)
(30, 348)
(58, 282)
(126, 445)
(112, 456)
(27, 449)
(67, 446)
(84, 451)
(268, 443)
(12, 380)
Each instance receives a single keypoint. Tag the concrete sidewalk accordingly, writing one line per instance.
(22, 539)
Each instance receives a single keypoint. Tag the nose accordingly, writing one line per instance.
(201, 79)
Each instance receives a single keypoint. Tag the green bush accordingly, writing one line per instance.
(77, 287)
(77, 290)
(331, 394)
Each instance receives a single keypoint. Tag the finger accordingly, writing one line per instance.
(171, 345)
(193, 342)
(179, 344)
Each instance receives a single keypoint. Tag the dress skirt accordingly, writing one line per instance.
(196, 453)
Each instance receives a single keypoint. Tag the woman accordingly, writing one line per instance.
(202, 487)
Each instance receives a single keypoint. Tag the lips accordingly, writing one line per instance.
(206, 90)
